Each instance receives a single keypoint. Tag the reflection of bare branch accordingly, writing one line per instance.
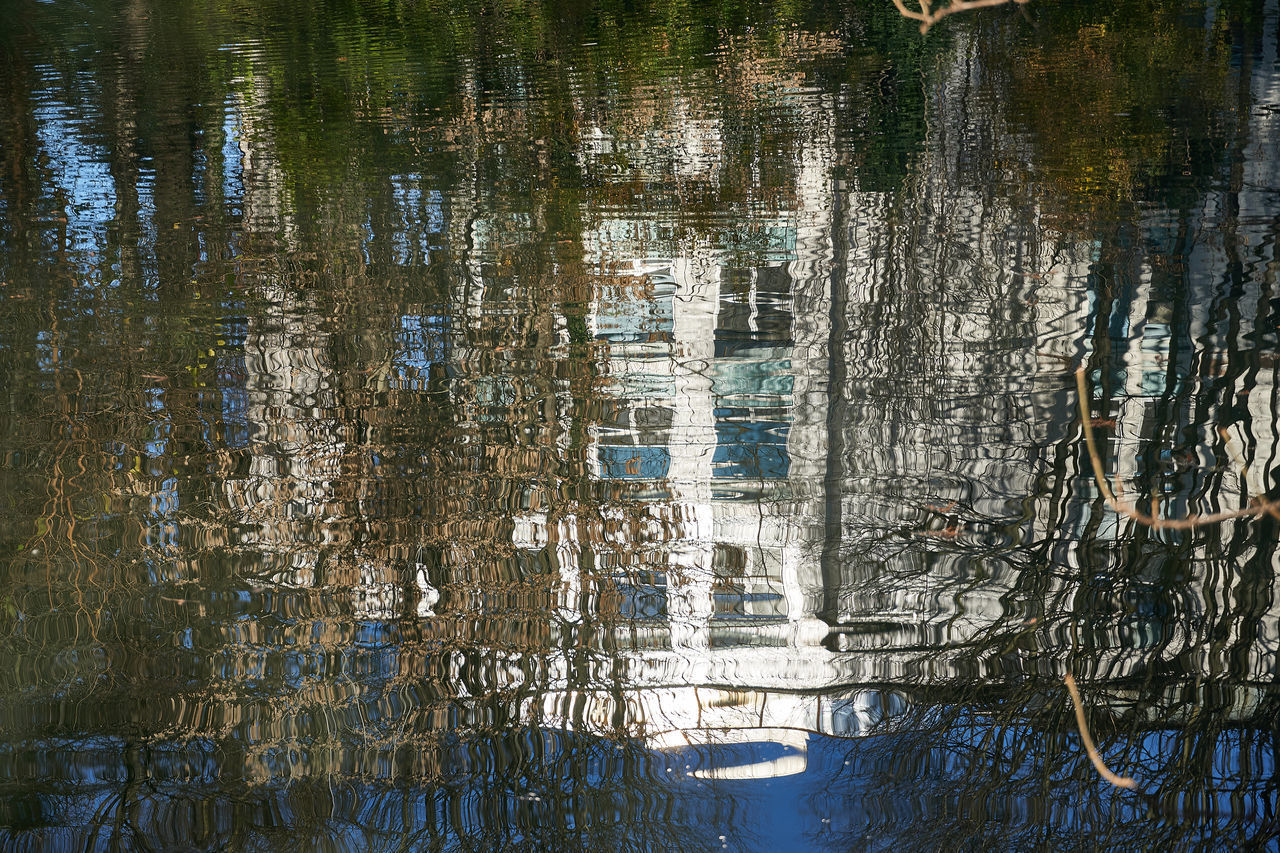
(1098, 764)
(927, 16)
(1256, 507)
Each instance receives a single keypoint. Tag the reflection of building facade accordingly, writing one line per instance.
(805, 446)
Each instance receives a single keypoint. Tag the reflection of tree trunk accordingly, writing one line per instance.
(837, 379)
(173, 152)
(120, 108)
(1252, 543)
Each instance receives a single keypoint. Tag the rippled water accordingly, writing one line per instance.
(589, 426)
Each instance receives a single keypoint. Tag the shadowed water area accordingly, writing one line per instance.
(635, 425)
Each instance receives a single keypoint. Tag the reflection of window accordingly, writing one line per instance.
(420, 213)
(750, 449)
(421, 341)
(634, 463)
(633, 443)
(735, 595)
(642, 595)
(636, 311)
(752, 377)
(755, 311)
(728, 561)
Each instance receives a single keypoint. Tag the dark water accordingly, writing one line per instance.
(635, 426)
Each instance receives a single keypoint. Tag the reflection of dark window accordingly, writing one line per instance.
(755, 310)
(750, 449)
(728, 561)
(638, 425)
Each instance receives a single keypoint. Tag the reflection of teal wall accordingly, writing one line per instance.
(770, 380)
(631, 315)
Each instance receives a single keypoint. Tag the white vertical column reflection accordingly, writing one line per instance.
(693, 442)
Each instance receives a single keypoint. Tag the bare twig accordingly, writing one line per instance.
(928, 16)
(1098, 764)
(1256, 508)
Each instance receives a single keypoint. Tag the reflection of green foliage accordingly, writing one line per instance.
(385, 81)
(1115, 96)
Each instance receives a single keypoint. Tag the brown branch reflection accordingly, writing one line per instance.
(1098, 763)
(928, 16)
(1257, 506)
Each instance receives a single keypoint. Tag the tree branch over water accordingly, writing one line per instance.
(928, 16)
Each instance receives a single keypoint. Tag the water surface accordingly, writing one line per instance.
(637, 426)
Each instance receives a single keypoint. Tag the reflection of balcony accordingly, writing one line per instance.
(680, 717)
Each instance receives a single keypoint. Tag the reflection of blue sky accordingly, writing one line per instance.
(968, 784)
(47, 352)
(77, 166)
(161, 531)
(158, 444)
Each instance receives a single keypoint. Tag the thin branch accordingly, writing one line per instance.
(1098, 764)
(1257, 507)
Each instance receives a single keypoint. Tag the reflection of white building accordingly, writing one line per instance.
(706, 364)
(734, 477)
(283, 377)
(962, 324)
